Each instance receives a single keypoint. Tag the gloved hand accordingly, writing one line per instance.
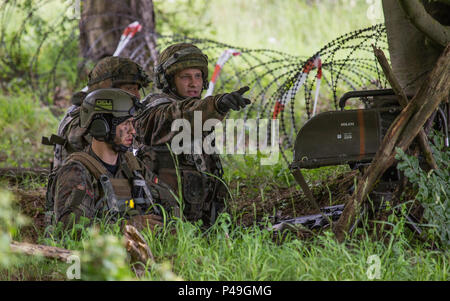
(141, 222)
(234, 100)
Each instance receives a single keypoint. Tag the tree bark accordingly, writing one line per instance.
(411, 53)
(103, 21)
(46, 251)
(424, 22)
(405, 128)
(135, 245)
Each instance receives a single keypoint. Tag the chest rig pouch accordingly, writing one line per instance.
(199, 187)
(198, 178)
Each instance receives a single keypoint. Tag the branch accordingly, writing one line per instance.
(443, 1)
(19, 172)
(403, 100)
(46, 251)
(401, 133)
(417, 14)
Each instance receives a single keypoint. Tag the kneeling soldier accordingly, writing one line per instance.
(182, 74)
(107, 179)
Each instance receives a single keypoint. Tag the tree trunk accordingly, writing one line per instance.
(103, 21)
(412, 54)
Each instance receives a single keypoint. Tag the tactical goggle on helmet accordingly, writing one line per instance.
(103, 109)
(188, 57)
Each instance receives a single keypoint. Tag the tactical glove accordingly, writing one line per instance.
(234, 101)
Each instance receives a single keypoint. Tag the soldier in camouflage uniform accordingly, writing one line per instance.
(182, 74)
(109, 72)
(107, 178)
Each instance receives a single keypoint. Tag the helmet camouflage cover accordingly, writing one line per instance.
(112, 71)
(176, 58)
(116, 102)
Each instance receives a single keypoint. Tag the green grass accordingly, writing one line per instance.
(23, 121)
(297, 27)
(230, 253)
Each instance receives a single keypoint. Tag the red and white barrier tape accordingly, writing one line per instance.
(312, 63)
(126, 36)
(224, 57)
(318, 64)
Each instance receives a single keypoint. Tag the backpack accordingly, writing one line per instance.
(70, 136)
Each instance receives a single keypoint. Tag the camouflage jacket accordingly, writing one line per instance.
(203, 194)
(77, 191)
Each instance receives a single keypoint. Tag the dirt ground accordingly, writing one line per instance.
(289, 202)
(31, 204)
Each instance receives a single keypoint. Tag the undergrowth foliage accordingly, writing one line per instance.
(433, 188)
(104, 258)
(10, 221)
(22, 123)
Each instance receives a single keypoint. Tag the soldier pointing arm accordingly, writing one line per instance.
(182, 74)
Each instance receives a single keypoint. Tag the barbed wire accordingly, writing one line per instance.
(282, 86)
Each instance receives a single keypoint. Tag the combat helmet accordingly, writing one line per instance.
(176, 58)
(103, 110)
(112, 71)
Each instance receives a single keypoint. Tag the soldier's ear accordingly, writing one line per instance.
(99, 128)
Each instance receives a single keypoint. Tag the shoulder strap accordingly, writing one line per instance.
(96, 168)
(132, 162)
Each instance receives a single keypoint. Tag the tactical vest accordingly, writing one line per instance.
(202, 190)
(120, 197)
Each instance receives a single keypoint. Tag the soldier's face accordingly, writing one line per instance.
(131, 88)
(125, 132)
(189, 82)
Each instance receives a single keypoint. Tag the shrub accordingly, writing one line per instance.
(433, 187)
